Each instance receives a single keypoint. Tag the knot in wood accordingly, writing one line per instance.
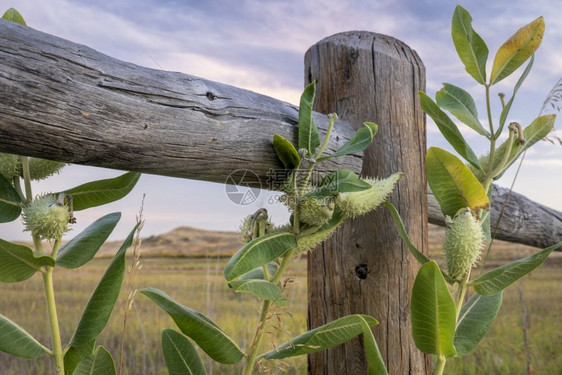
(362, 270)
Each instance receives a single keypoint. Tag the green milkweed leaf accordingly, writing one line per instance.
(14, 16)
(461, 105)
(517, 49)
(418, 255)
(82, 248)
(75, 354)
(257, 273)
(18, 262)
(453, 184)
(470, 47)
(539, 128)
(286, 152)
(309, 138)
(16, 341)
(372, 352)
(495, 281)
(98, 193)
(360, 141)
(449, 130)
(341, 181)
(475, 319)
(433, 312)
(10, 203)
(206, 333)
(101, 303)
(324, 337)
(180, 354)
(99, 363)
(259, 252)
(260, 288)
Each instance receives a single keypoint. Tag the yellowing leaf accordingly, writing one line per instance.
(453, 184)
(517, 49)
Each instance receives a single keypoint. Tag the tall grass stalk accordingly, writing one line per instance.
(131, 291)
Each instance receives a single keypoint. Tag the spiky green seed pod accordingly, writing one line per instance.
(307, 243)
(47, 217)
(246, 229)
(316, 211)
(9, 166)
(40, 169)
(361, 202)
(463, 242)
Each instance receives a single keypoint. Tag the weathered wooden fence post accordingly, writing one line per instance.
(364, 267)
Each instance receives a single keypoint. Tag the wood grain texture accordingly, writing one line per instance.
(522, 220)
(370, 77)
(65, 101)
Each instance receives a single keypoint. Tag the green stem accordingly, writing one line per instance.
(258, 337)
(489, 111)
(17, 186)
(57, 352)
(493, 138)
(260, 329)
(56, 247)
(505, 157)
(306, 179)
(332, 117)
(441, 360)
(26, 178)
(29, 196)
(461, 292)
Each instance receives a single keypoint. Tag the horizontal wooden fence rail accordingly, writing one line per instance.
(65, 101)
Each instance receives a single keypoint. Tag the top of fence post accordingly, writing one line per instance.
(364, 267)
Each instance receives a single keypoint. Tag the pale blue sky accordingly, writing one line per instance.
(259, 45)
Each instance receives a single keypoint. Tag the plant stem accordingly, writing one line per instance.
(307, 178)
(53, 319)
(260, 329)
(493, 138)
(29, 196)
(17, 186)
(441, 360)
(502, 164)
(258, 335)
(26, 178)
(461, 292)
(489, 111)
(332, 117)
(266, 305)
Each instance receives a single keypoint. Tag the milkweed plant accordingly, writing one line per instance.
(445, 324)
(258, 268)
(47, 218)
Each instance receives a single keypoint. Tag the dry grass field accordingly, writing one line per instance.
(198, 283)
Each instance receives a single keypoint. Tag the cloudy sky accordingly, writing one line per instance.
(259, 45)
